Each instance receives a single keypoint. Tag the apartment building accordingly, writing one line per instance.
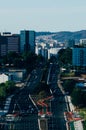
(79, 56)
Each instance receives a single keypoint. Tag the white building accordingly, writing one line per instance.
(53, 52)
(83, 42)
(38, 50)
(4, 78)
(47, 49)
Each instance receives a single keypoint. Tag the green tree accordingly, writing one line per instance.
(10, 87)
(69, 85)
(42, 95)
(65, 56)
(7, 89)
(2, 91)
(77, 97)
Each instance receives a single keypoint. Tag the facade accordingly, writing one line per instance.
(53, 52)
(14, 75)
(38, 50)
(9, 43)
(32, 40)
(13, 44)
(17, 75)
(83, 42)
(3, 45)
(70, 43)
(4, 78)
(47, 51)
(79, 56)
(27, 41)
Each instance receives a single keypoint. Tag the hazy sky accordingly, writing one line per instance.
(42, 15)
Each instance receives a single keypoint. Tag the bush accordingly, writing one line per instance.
(7, 89)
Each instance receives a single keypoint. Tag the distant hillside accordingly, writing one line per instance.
(64, 35)
(43, 33)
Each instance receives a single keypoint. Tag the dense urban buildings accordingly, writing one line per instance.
(20, 111)
(47, 50)
(25, 41)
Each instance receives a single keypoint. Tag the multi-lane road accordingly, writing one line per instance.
(21, 101)
(22, 104)
(58, 104)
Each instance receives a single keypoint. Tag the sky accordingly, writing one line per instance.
(42, 15)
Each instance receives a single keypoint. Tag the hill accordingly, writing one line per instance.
(64, 35)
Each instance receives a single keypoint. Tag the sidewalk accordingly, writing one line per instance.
(71, 116)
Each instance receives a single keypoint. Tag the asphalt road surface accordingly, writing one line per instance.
(58, 104)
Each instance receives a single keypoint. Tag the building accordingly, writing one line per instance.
(3, 45)
(38, 50)
(53, 52)
(79, 56)
(27, 41)
(17, 75)
(13, 43)
(83, 42)
(70, 43)
(47, 51)
(9, 43)
(4, 78)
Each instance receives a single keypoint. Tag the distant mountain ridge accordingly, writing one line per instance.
(64, 35)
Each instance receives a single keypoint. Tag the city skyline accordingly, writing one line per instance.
(54, 16)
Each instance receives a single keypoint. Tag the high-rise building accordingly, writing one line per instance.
(79, 56)
(27, 41)
(3, 45)
(13, 44)
(9, 43)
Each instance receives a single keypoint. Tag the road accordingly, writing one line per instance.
(23, 105)
(21, 100)
(34, 79)
(58, 104)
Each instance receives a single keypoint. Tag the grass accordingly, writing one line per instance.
(71, 74)
(83, 115)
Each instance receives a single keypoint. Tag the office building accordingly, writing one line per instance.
(3, 45)
(13, 44)
(9, 43)
(27, 41)
(79, 56)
